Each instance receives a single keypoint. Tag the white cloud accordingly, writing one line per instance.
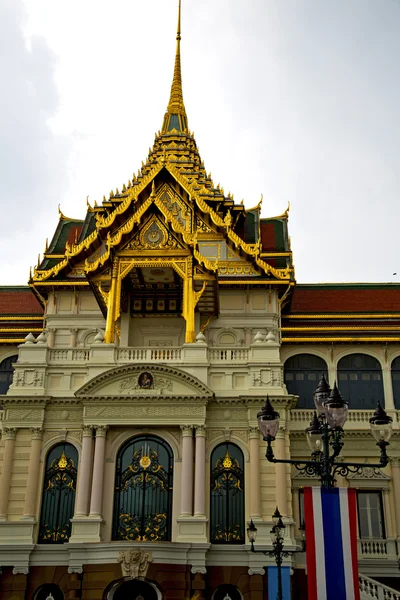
(295, 99)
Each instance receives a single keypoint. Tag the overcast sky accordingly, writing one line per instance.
(297, 100)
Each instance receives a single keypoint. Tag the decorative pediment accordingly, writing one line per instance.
(153, 236)
(145, 380)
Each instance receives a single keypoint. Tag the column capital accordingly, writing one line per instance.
(73, 330)
(10, 433)
(200, 430)
(281, 434)
(36, 433)
(87, 431)
(187, 430)
(254, 432)
(394, 462)
(101, 430)
(20, 570)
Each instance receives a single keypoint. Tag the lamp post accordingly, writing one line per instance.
(277, 552)
(325, 436)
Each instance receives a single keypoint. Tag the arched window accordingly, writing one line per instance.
(360, 381)
(227, 495)
(6, 373)
(143, 490)
(302, 373)
(48, 591)
(396, 381)
(58, 494)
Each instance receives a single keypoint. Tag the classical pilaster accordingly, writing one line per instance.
(388, 388)
(280, 471)
(200, 472)
(187, 470)
(10, 434)
(96, 500)
(84, 473)
(395, 464)
(33, 474)
(72, 340)
(50, 331)
(255, 487)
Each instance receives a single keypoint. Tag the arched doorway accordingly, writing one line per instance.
(143, 490)
(132, 589)
(48, 591)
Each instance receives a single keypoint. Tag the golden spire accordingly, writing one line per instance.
(175, 119)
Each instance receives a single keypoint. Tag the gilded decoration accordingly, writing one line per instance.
(153, 236)
(176, 206)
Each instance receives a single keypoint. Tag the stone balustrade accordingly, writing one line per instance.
(373, 590)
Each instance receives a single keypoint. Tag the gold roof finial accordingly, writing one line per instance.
(175, 119)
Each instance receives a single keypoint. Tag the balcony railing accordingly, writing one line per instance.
(147, 354)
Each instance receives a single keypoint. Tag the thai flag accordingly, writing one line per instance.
(331, 535)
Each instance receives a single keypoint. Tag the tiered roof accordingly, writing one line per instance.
(175, 158)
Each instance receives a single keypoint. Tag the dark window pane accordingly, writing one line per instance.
(302, 373)
(227, 495)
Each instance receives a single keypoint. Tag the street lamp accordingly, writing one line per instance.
(277, 537)
(325, 436)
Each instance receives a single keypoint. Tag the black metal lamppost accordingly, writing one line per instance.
(277, 552)
(325, 436)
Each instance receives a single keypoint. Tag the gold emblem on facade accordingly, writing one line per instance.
(62, 462)
(227, 462)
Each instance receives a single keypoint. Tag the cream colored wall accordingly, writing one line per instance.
(72, 314)
(155, 331)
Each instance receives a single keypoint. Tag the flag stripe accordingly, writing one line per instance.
(319, 544)
(310, 537)
(346, 546)
(334, 564)
(352, 495)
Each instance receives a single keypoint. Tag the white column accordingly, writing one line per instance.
(5, 479)
(84, 473)
(187, 470)
(200, 472)
(255, 482)
(280, 471)
(96, 500)
(33, 473)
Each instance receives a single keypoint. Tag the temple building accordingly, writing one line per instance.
(132, 369)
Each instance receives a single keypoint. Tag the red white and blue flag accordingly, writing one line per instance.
(331, 533)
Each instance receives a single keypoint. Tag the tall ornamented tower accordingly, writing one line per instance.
(130, 445)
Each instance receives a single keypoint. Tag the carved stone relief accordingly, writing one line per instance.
(132, 385)
(135, 562)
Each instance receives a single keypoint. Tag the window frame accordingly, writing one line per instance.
(382, 525)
